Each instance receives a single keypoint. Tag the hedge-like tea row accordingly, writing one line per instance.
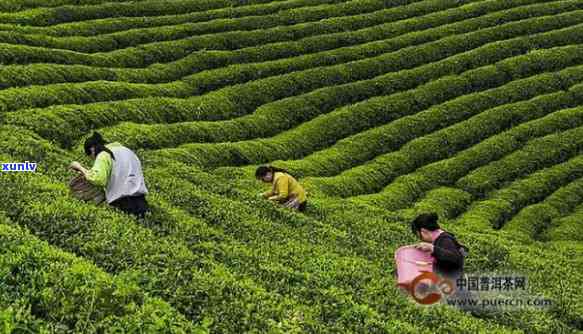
(534, 219)
(375, 174)
(272, 118)
(183, 230)
(406, 189)
(216, 255)
(50, 16)
(90, 92)
(506, 202)
(136, 37)
(365, 145)
(220, 211)
(65, 97)
(146, 54)
(172, 50)
(537, 154)
(203, 206)
(323, 266)
(117, 24)
(258, 151)
(536, 262)
(568, 228)
(73, 294)
(447, 202)
(114, 24)
(252, 91)
(22, 75)
(453, 319)
(236, 218)
(340, 218)
(20, 5)
(17, 75)
(488, 255)
(87, 92)
(485, 256)
(248, 256)
(226, 184)
(139, 253)
(329, 297)
(392, 57)
(169, 220)
(164, 267)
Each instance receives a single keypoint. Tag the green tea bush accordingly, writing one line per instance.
(274, 117)
(535, 219)
(366, 145)
(405, 189)
(565, 228)
(229, 108)
(446, 202)
(63, 11)
(123, 247)
(539, 153)
(382, 109)
(504, 203)
(428, 148)
(166, 51)
(135, 37)
(321, 273)
(251, 151)
(18, 75)
(68, 293)
(114, 24)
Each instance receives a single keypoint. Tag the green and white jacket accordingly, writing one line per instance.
(120, 177)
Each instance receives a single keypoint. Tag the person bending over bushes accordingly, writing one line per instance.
(443, 246)
(118, 170)
(285, 188)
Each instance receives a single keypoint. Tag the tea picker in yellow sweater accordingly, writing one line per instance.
(285, 188)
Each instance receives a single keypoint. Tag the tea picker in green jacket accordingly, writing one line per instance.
(118, 171)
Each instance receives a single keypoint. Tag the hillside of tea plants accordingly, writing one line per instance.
(383, 109)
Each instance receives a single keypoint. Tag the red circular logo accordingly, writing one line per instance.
(434, 286)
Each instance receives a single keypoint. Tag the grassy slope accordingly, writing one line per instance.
(212, 255)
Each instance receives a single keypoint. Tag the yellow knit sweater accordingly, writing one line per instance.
(284, 187)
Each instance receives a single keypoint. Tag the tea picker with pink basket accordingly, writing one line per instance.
(438, 252)
(443, 246)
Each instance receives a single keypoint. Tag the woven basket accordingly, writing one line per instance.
(85, 191)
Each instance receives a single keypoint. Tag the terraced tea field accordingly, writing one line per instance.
(384, 109)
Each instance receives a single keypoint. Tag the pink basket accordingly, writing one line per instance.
(411, 262)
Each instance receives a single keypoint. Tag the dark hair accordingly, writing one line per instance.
(261, 171)
(427, 221)
(97, 141)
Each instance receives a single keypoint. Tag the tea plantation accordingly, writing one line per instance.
(383, 109)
